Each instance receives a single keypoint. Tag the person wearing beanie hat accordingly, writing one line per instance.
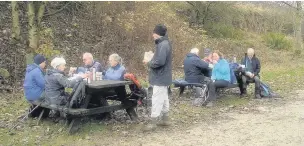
(160, 77)
(34, 82)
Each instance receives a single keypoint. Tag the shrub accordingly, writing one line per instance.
(277, 41)
(224, 31)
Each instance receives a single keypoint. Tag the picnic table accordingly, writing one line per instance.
(74, 115)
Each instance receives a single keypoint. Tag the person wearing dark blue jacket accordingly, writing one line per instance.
(220, 76)
(34, 81)
(195, 69)
(250, 73)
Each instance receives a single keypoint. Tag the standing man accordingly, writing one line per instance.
(160, 77)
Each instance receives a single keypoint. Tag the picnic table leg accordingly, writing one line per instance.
(87, 101)
(181, 90)
(74, 126)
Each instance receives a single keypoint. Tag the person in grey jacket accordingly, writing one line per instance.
(56, 82)
(160, 77)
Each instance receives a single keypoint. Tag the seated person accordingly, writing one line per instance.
(116, 71)
(89, 64)
(220, 76)
(56, 82)
(195, 69)
(251, 73)
(208, 56)
(34, 82)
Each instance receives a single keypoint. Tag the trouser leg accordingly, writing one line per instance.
(160, 101)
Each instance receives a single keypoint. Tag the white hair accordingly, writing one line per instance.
(116, 57)
(250, 51)
(57, 61)
(194, 50)
(89, 55)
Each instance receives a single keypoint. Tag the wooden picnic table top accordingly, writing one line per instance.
(107, 83)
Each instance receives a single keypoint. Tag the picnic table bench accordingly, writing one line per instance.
(73, 115)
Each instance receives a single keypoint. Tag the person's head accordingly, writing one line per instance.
(87, 59)
(114, 60)
(159, 31)
(217, 55)
(250, 52)
(207, 52)
(194, 51)
(58, 63)
(40, 60)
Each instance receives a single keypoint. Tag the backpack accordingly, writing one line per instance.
(233, 67)
(201, 95)
(266, 91)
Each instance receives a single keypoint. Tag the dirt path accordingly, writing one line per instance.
(273, 123)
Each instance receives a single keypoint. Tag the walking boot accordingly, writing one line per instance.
(151, 126)
(164, 120)
(257, 94)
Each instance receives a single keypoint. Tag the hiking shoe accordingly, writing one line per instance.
(151, 126)
(164, 120)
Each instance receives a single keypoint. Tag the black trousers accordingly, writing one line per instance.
(212, 86)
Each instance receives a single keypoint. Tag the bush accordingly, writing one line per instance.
(224, 31)
(277, 41)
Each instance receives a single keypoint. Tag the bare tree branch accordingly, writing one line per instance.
(59, 10)
(288, 4)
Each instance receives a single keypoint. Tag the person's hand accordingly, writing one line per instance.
(252, 75)
(211, 66)
(85, 75)
(72, 70)
(145, 62)
(214, 61)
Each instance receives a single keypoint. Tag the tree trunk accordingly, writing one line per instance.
(32, 36)
(16, 25)
(298, 26)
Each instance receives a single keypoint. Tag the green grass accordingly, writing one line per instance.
(282, 79)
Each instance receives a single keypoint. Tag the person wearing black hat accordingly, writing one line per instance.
(34, 81)
(160, 77)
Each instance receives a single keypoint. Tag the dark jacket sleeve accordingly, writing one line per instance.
(65, 82)
(258, 68)
(160, 57)
(201, 64)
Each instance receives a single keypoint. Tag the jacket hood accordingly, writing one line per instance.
(191, 55)
(31, 67)
(53, 71)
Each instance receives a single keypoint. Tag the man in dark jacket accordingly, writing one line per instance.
(195, 69)
(89, 64)
(250, 73)
(160, 77)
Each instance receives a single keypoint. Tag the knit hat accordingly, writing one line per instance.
(207, 52)
(38, 59)
(160, 29)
